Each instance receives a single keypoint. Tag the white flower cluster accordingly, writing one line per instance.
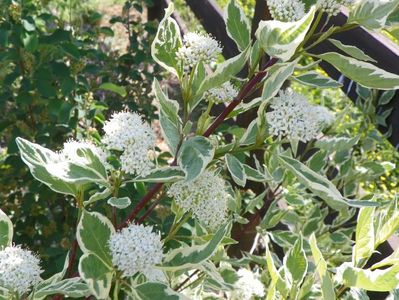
(126, 131)
(247, 286)
(226, 92)
(205, 196)
(70, 152)
(198, 47)
(293, 116)
(286, 10)
(137, 249)
(19, 269)
(333, 7)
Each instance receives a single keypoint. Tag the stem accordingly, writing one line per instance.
(176, 228)
(219, 120)
(186, 280)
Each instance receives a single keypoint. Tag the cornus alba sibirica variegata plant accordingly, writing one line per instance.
(197, 220)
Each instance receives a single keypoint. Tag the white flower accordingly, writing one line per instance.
(71, 153)
(205, 196)
(286, 10)
(333, 7)
(247, 286)
(126, 131)
(226, 92)
(198, 47)
(294, 117)
(19, 269)
(137, 249)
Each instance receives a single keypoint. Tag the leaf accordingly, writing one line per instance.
(71, 287)
(188, 257)
(93, 233)
(120, 203)
(249, 137)
(377, 280)
(194, 155)
(337, 143)
(236, 170)
(170, 107)
(100, 195)
(278, 74)
(6, 230)
(237, 25)
(362, 72)
(364, 246)
(165, 174)
(388, 225)
(392, 259)
(157, 290)
(316, 80)
(276, 279)
(108, 86)
(296, 264)
(281, 39)
(255, 175)
(327, 286)
(318, 184)
(167, 42)
(351, 50)
(96, 274)
(224, 72)
(372, 14)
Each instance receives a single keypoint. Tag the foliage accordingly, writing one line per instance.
(301, 222)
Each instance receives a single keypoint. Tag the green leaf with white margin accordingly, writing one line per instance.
(236, 170)
(278, 74)
(255, 175)
(71, 287)
(249, 137)
(96, 274)
(392, 259)
(224, 72)
(295, 264)
(372, 14)
(97, 196)
(215, 279)
(276, 280)
(371, 280)
(119, 203)
(388, 225)
(353, 51)
(168, 117)
(332, 144)
(237, 25)
(188, 257)
(164, 174)
(36, 158)
(327, 286)
(364, 246)
(157, 290)
(281, 39)
(194, 155)
(318, 184)
(93, 233)
(314, 79)
(362, 72)
(6, 230)
(167, 42)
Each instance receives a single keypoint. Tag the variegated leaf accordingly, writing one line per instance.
(237, 25)
(6, 230)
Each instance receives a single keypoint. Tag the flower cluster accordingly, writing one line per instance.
(226, 92)
(293, 116)
(19, 269)
(247, 286)
(198, 47)
(126, 131)
(137, 249)
(71, 152)
(205, 197)
(286, 10)
(333, 7)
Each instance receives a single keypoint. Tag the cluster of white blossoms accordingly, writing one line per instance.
(137, 249)
(226, 92)
(128, 132)
(333, 7)
(19, 269)
(247, 286)
(286, 10)
(198, 47)
(71, 153)
(205, 197)
(294, 117)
